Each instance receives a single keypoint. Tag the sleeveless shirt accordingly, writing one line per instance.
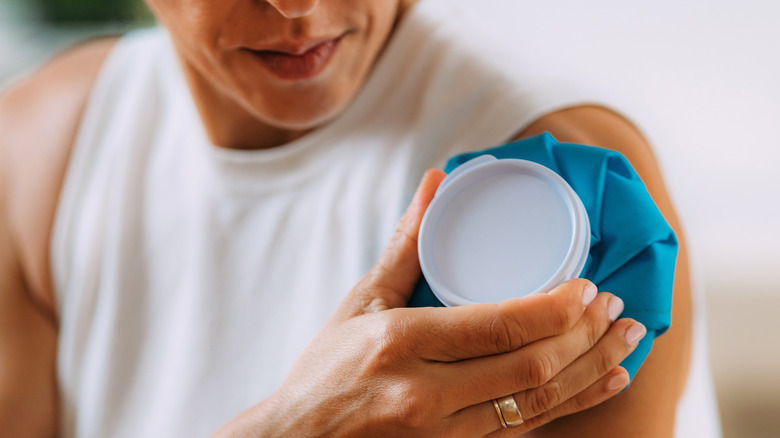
(190, 277)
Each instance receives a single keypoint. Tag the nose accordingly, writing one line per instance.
(294, 8)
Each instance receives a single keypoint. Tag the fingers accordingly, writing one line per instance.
(465, 332)
(482, 419)
(536, 364)
(586, 370)
(391, 280)
(600, 391)
(588, 381)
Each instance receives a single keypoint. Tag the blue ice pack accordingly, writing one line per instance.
(632, 248)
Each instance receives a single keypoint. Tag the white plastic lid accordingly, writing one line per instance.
(501, 229)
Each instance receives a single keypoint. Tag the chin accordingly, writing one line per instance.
(300, 119)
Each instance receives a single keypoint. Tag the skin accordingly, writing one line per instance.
(38, 122)
(238, 99)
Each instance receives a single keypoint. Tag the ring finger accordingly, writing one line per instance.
(475, 380)
(585, 383)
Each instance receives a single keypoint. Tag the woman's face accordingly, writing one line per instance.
(291, 64)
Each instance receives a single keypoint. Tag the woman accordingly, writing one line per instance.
(182, 214)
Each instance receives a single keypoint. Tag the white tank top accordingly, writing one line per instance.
(190, 277)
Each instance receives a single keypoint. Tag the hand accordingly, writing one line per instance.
(380, 369)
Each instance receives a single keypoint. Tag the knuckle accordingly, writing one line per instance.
(604, 362)
(579, 403)
(387, 341)
(411, 406)
(537, 371)
(570, 314)
(403, 238)
(501, 334)
(566, 313)
(593, 332)
(546, 398)
(378, 275)
(507, 332)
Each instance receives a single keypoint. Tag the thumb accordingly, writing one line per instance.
(390, 282)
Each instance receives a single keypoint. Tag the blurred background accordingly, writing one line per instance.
(701, 78)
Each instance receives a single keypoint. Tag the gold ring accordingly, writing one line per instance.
(508, 413)
(498, 411)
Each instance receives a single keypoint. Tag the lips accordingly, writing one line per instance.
(289, 62)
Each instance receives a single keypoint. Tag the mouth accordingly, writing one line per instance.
(293, 62)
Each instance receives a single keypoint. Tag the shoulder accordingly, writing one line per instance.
(62, 83)
(601, 126)
(39, 118)
(40, 113)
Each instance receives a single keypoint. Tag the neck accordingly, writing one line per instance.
(227, 123)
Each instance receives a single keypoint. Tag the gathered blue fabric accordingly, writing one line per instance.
(632, 248)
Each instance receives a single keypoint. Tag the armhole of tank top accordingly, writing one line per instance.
(77, 167)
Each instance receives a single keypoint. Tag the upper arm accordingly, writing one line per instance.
(39, 117)
(28, 342)
(647, 407)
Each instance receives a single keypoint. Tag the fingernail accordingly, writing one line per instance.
(589, 294)
(617, 382)
(614, 308)
(634, 333)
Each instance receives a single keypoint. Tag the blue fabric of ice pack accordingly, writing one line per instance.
(632, 249)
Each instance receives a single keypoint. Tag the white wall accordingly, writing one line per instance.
(705, 78)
